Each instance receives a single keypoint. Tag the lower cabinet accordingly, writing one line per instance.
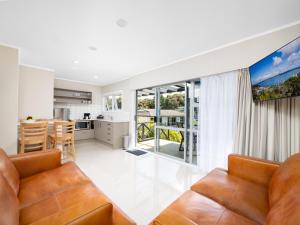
(84, 134)
(111, 132)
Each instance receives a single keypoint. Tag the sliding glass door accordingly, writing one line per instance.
(166, 120)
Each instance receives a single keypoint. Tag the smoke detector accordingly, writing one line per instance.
(121, 23)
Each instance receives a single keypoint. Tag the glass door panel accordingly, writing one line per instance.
(193, 93)
(145, 131)
(171, 120)
(170, 142)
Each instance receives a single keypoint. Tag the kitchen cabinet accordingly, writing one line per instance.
(84, 134)
(111, 132)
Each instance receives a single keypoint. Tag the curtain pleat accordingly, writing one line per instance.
(217, 120)
(269, 129)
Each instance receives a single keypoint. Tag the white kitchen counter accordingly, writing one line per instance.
(104, 120)
(112, 121)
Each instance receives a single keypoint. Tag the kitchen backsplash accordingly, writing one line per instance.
(116, 116)
(77, 111)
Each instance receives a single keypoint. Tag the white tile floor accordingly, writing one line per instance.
(142, 186)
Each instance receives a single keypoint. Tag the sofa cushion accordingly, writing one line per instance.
(9, 171)
(285, 177)
(193, 208)
(9, 205)
(241, 196)
(81, 204)
(286, 211)
(42, 185)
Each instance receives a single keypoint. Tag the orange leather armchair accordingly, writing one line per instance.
(251, 192)
(35, 188)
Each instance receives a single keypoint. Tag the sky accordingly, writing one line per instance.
(280, 61)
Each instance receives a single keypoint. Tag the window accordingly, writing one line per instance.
(108, 103)
(118, 102)
(113, 101)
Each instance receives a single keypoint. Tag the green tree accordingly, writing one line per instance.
(146, 103)
(292, 85)
(174, 101)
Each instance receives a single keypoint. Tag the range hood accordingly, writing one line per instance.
(72, 96)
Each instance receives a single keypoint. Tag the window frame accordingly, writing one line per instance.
(114, 105)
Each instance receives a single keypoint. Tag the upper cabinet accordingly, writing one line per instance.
(72, 96)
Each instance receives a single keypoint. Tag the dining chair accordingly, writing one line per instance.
(63, 133)
(33, 136)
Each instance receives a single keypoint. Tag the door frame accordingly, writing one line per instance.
(189, 93)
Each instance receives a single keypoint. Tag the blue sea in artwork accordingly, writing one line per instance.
(279, 79)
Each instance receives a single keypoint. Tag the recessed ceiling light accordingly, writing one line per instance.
(96, 77)
(122, 23)
(93, 48)
(75, 61)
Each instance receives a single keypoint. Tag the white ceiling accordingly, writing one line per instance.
(54, 33)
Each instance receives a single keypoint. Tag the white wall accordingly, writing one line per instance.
(9, 84)
(236, 56)
(35, 92)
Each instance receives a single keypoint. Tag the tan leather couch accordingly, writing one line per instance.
(250, 192)
(36, 189)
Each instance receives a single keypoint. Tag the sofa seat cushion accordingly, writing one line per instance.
(193, 208)
(42, 185)
(241, 196)
(81, 204)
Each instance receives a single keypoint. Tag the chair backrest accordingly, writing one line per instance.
(284, 193)
(63, 127)
(34, 136)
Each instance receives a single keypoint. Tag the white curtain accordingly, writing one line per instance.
(217, 120)
(269, 129)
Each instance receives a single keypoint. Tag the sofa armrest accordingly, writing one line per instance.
(120, 218)
(253, 169)
(32, 163)
(169, 216)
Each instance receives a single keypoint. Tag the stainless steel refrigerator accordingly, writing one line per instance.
(61, 113)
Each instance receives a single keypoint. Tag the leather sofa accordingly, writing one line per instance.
(36, 189)
(250, 192)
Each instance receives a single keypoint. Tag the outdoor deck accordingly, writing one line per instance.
(166, 147)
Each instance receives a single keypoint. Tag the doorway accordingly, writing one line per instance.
(167, 120)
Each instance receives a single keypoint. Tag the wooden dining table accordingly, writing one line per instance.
(50, 122)
(50, 125)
